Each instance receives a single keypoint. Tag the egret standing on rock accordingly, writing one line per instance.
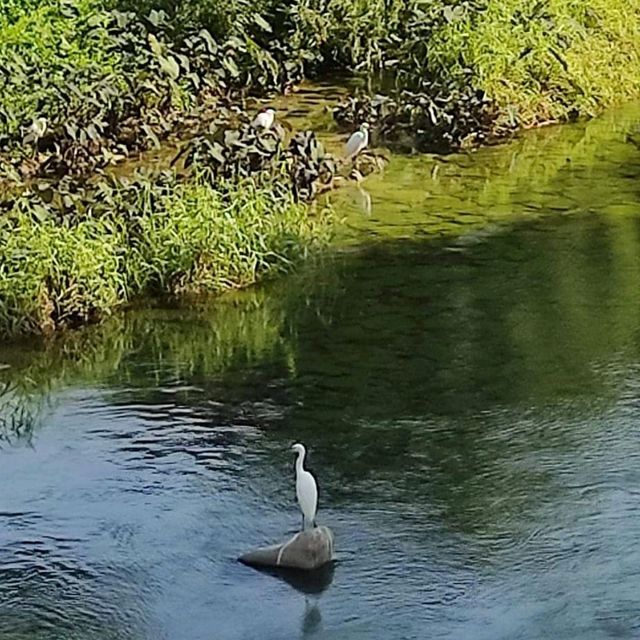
(357, 142)
(264, 120)
(306, 489)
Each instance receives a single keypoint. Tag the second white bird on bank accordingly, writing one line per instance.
(265, 119)
(306, 489)
(357, 142)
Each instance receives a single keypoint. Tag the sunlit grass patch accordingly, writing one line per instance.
(541, 61)
(211, 239)
(194, 238)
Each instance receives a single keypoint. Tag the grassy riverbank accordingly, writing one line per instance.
(169, 239)
(91, 83)
(88, 83)
(462, 73)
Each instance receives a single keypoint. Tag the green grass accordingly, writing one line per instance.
(541, 61)
(537, 60)
(194, 238)
(54, 274)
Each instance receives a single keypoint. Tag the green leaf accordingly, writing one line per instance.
(211, 44)
(40, 212)
(184, 62)
(151, 135)
(230, 65)
(156, 17)
(216, 152)
(170, 67)
(236, 43)
(156, 47)
(262, 23)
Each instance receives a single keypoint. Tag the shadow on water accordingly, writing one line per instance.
(309, 583)
(306, 582)
(464, 370)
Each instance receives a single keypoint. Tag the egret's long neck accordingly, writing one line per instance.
(299, 461)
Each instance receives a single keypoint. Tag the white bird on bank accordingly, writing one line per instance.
(357, 142)
(36, 130)
(306, 489)
(265, 119)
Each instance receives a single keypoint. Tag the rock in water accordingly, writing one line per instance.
(308, 549)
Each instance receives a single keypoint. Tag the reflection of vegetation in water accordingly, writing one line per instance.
(440, 349)
(559, 168)
(231, 336)
(18, 416)
(202, 341)
(238, 329)
(442, 370)
(526, 316)
(413, 369)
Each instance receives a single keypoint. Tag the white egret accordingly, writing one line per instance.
(39, 127)
(306, 489)
(36, 130)
(264, 120)
(357, 142)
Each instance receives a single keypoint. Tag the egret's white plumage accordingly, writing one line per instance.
(264, 120)
(39, 127)
(357, 142)
(35, 131)
(306, 489)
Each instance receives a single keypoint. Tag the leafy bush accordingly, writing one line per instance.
(84, 86)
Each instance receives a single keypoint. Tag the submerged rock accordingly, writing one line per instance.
(308, 550)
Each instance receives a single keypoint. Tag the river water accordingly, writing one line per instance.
(464, 366)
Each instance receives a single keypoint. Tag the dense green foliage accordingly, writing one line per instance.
(88, 83)
(107, 82)
(476, 69)
(145, 238)
(110, 76)
(546, 60)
